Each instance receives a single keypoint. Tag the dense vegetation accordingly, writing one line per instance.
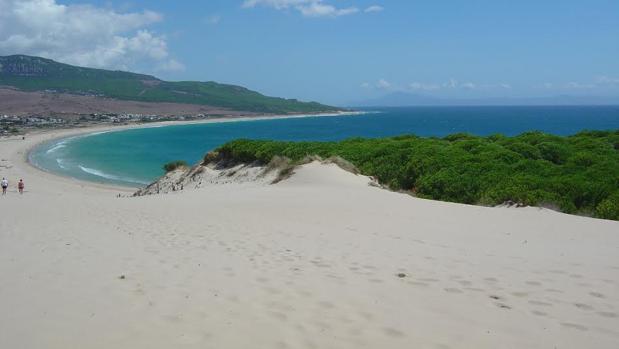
(39, 74)
(173, 165)
(576, 174)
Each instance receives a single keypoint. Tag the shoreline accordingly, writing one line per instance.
(56, 135)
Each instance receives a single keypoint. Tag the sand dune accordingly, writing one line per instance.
(320, 260)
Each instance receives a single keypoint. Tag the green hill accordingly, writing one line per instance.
(39, 74)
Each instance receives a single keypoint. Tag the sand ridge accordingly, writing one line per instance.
(320, 260)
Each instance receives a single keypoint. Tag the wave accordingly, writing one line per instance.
(108, 176)
(97, 133)
(57, 147)
(62, 163)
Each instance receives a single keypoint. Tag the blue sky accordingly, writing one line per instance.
(338, 51)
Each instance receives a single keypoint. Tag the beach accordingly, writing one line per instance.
(319, 260)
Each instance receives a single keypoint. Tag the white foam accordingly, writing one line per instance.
(102, 174)
(56, 147)
(61, 163)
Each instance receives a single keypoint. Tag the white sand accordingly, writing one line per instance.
(311, 262)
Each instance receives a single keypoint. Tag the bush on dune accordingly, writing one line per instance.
(173, 165)
(576, 174)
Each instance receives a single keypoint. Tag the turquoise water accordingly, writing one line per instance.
(135, 157)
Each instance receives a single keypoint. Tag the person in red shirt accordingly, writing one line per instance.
(20, 186)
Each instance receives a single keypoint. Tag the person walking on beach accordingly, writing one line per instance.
(20, 186)
(5, 184)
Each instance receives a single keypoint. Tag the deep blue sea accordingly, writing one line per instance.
(135, 157)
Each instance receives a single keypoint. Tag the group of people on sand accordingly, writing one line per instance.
(5, 185)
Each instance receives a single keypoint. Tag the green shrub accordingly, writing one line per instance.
(576, 174)
(553, 152)
(609, 208)
(526, 150)
(173, 165)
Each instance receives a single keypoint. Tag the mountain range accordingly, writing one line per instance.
(35, 74)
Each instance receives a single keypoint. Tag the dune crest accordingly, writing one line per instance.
(219, 169)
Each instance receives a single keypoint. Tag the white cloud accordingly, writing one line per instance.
(82, 34)
(607, 80)
(468, 85)
(600, 82)
(212, 19)
(309, 8)
(171, 65)
(424, 86)
(383, 84)
(374, 8)
(318, 9)
(452, 83)
(578, 85)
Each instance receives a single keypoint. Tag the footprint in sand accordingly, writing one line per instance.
(326, 305)
(366, 316)
(574, 326)
(540, 303)
(279, 316)
(503, 306)
(608, 314)
(596, 295)
(282, 345)
(520, 294)
(392, 332)
(553, 290)
(305, 293)
(271, 290)
(583, 306)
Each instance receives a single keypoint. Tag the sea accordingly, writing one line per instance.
(134, 157)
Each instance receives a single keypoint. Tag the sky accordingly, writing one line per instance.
(335, 51)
